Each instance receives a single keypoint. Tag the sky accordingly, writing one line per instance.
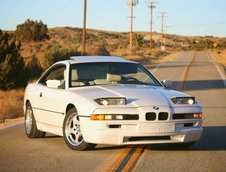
(184, 17)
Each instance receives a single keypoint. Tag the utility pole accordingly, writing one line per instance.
(84, 29)
(166, 29)
(162, 17)
(131, 3)
(151, 6)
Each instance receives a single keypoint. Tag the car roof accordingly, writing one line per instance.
(88, 59)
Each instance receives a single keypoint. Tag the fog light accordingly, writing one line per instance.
(108, 117)
(118, 117)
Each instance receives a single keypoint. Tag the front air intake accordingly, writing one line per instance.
(150, 116)
(163, 116)
(183, 116)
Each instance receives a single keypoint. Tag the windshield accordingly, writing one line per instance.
(107, 73)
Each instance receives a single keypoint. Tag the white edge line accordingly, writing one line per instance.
(153, 70)
(11, 125)
(222, 75)
(210, 59)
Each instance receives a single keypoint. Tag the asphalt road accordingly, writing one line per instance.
(203, 80)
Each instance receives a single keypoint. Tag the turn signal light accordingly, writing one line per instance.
(106, 117)
(97, 117)
(197, 115)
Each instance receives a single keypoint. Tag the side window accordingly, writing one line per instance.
(55, 78)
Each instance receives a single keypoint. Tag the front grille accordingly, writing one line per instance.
(163, 116)
(183, 116)
(150, 116)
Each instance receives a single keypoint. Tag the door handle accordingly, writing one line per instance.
(40, 95)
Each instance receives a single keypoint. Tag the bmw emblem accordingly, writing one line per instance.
(156, 107)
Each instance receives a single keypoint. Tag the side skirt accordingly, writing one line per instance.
(50, 128)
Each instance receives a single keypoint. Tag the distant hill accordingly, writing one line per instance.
(117, 43)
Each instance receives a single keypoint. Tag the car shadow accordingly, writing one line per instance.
(200, 85)
(108, 147)
(213, 139)
(48, 136)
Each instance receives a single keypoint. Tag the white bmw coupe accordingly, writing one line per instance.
(93, 100)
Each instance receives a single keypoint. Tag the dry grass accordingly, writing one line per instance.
(219, 56)
(169, 57)
(11, 104)
(153, 57)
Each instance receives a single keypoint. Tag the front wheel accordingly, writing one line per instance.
(30, 124)
(72, 132)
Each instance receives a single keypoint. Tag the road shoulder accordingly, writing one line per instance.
(11, 123)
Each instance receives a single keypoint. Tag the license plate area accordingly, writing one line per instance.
(157, 127)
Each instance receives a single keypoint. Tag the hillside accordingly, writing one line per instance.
(117, 43)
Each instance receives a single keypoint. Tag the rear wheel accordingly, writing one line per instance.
(30, 124)
(72, 132)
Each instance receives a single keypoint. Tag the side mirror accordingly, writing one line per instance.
(53, 83)
(167, 83)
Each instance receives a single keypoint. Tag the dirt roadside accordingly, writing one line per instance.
(218, 56)
(10, 122)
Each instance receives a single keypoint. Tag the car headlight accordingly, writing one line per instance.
(111, 101)
(183, 100)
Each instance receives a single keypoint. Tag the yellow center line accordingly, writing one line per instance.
(127, 159)
(122, 155)
(133, 159)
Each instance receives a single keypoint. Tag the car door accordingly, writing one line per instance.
(51, 104)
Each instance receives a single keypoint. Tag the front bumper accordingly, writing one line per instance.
(140, 131)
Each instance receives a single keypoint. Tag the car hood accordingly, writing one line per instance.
(136, 95)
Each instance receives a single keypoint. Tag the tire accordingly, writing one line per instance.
(30, 124)
(72, 132)
(181, 146)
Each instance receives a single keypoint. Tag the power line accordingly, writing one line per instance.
(119, 9)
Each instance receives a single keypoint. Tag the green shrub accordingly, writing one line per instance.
(32, 31)
(33, 68)
(12, 67)
(56, 54)
(99, 50)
